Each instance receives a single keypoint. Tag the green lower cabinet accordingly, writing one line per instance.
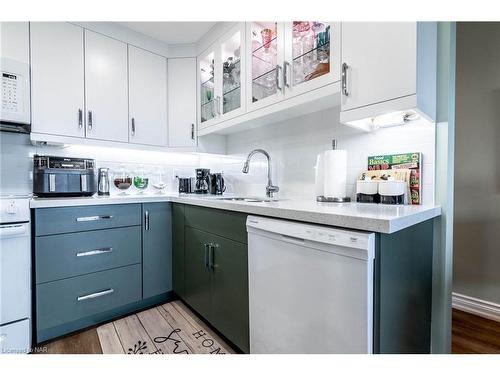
(197, 274)
(215, 272)
(229, 311)
(99, 263)
(62, 306)
(156, 249)
(403, 291)
(178, 249)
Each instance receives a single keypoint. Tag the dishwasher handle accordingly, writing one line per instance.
(292, 239)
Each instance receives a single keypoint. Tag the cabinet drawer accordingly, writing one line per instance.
(64, 301)
(66, 255)
(82, 218)
(228, 224)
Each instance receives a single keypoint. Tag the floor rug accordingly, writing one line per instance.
(167, 329)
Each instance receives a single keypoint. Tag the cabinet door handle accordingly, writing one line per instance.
(278, 70)
(90, 120)
(218, 105)
(192, 132)
(94, 218)
(207, 257)
(95, 295)
(286, 75)
(80, 118)
(104, 250)
(345, 91)
(211, 256)
(146, 220)
(133, 126)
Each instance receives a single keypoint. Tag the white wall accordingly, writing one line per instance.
(477, 162)
(294, 145)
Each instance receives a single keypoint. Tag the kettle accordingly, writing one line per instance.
(103, 184)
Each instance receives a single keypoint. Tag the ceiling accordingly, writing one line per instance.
(171, 32)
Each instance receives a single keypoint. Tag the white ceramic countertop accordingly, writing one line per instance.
(362, 216)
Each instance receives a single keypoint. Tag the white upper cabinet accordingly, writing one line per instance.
(208, 93)
(57, 79)
(106, 88)
(379, 62)
(14, 39)
(289, 59)
(312, 55)
(265, 52)
(148, 97)
(281, 61)
(232, 65)
(182, 102)
(221, 75)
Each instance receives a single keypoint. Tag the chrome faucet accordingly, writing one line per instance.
(270, 188)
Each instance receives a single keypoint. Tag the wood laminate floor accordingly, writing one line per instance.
(472, 334)
(171, 328)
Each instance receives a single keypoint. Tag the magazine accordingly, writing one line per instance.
(412, 161)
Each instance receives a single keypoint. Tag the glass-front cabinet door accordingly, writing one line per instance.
(221, 73)
(232, 66)
(265, 57)
(312, 55)
(207, 89)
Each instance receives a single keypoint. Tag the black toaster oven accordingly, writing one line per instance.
(55, 176)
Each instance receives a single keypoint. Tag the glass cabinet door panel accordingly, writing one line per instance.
(231, 73)
(264, 59)
(207, 87)
(310, 50)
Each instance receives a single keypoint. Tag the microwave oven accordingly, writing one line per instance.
(15, 113)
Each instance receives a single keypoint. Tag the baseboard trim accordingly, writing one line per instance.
(476, 306)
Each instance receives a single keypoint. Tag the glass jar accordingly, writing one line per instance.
(159, 184)
(122, 180)
(141, 181)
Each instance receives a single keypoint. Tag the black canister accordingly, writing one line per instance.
(367, 191)
(392, 192)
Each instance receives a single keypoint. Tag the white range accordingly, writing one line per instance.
(15, 275)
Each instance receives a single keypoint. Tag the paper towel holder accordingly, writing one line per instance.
(322, 198)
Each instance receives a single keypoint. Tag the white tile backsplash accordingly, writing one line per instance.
(292, 144)
(16, 152)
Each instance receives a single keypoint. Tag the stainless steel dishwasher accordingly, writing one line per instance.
(310, 288)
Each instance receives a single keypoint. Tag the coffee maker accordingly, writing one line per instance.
(202, 183)
(217, 186)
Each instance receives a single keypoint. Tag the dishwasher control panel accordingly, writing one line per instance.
(307, 232)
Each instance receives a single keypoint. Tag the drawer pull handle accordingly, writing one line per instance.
(94, 218)
(95, 295)
(95, 252)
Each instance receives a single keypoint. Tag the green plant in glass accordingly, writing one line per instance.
(141, 183)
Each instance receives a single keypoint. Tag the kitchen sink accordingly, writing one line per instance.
(249, 199)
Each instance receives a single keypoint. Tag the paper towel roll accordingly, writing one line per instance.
(319, 173)
(335, 173)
